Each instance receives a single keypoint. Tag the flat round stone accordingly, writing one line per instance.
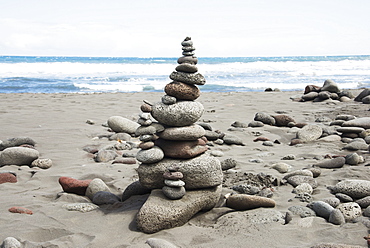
(189, 78)
(173, 175)
(192, 132)
(182, 91)
(174, 183)
(186, 68)
(188, 59)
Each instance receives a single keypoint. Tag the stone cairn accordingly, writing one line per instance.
(182, 177)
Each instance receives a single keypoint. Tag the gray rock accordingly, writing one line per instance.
(212, 135)
(298, 172)
(120, 136)
(43, 163)
(322, 209)
(11, 242)
(168, 100)
(217, 153)
(243, 202)
(104, 197)
(152, 155)
(200, 172)
(16, 142)
(192, 132)
(315, 171)
(81, 206)
(159, 213)
(363, 122)
(350, 129)
(253, 217)
(364, 202)
(350, 210)
(366, 212)
(134, 188)
(182, 113)
(232, 140)
(362, 94)
(159, 243)
(343, 197)
(265, 118)
(323, 119)
(324, 95)
(353, 159)
(298, 179)
(331, 86)
(337, 162)
(345, 117)
(288, 157)
(336, 217)
(120, 124)
(302, 211)
(332, 201)
(309, 133)
(95, 186)
(228, 163)
(239, 124)
(303, 188)
(310, 96)
(174, 193)
(268, 143)
(149, 130)
(18, 156)
(189, 78)
(255, 124)
(281, 167)
(356, 145)
(246, 189)
(105, 155)
(354, 188)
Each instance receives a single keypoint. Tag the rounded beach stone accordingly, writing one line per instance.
(337, 162)
(192, 132)
(350, 129)
(75, 186)
(104, 197)
(332, 201)
(217, 153)
(264, 118)
(120, 137)
(7, 177)
(228, 163)
(303, 188)
(11, 242)
(17, 141)
(354, 188)
(182, 113)
(104, 155)
(159, 243)
(134, 188)
(187, 42)
(200, 172)
(120, 124)
(311, 88)
(298, 179)
(174, 193)
(302, 211)
(20, 210)
(281, 167)
(322, 209)
(151, 155)
(18, 156)
(324, 95)
(181, 149)
(188, 78)
(95, 186)
(353, 159)
(212, 135)
(188, 59)
(363, 122)
(298, 172)
(151, 129)
(362, 94)
(185, 67)
(83, 207)
(366, 212)
(168, 100)
(336, 217)
(282, 120)
(182, 91)
(255, 124)
(309, 133)
(232, 140)
(173, 175)
(310, 96)
(343, 197)
(331, 86)
(174, 183)
(43, 163)
(315, 171)
(243, 202)
(146, 145)
(146, 108)
(364, 202)
(350, 210)
(356, 145)
(122, 160)
(144, 122)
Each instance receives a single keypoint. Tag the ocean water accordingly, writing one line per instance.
(27, 74)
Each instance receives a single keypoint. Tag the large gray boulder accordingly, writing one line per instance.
(120, 124)
(182, 113)
(160, 213)
(18, 156)
(200, 172)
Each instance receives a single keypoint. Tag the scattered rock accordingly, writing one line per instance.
(350, 210)
(95, 186)
(336, 217)
(159, 243)
(354, 188)
(75, 186)
(120, 124)
(7, 177)
(243, 202)
(309, 133)
(82, 207)
(337, 162)
(20, 210)
(18, 156)
(322, 209)
(11, 242)
(43, 163)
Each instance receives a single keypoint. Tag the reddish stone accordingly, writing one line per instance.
(294, 142)
(7, 178)
(311, 88)
(20, 210)
(173, 175)
(283, 120)
(182, 91)
(71, 185)
(146, 108)
(182, 149)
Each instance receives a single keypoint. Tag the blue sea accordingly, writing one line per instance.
(32, 74)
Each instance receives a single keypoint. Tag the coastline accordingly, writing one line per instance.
(57, 122)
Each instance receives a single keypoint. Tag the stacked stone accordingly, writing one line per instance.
(174, 187)
(184, 180)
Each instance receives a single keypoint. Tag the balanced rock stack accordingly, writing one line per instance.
(183, 179)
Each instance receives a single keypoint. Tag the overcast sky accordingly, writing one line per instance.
(155, 28)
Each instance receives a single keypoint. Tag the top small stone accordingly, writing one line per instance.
(187, 42)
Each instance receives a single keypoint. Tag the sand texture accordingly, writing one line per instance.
(58, 124)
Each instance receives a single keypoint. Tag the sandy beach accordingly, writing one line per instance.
(58, 124)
